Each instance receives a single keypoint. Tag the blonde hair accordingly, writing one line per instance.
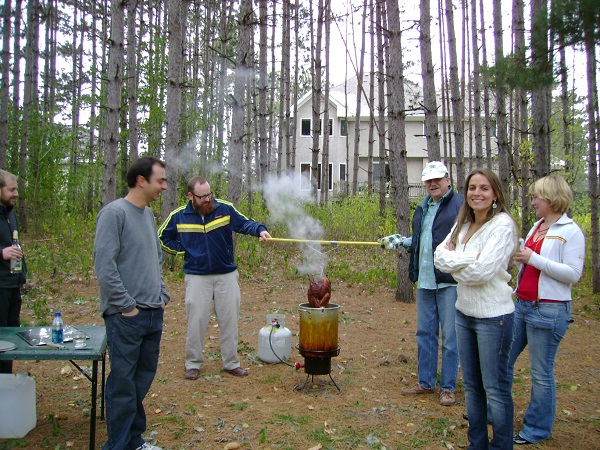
(555, 190)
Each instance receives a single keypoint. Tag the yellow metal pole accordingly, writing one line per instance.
(312, 241)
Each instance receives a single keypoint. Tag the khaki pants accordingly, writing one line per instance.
(200, 292)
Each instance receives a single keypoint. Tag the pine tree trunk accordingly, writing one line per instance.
(381, 111)
(113, 101)
(242, 64)
(132, 77)
(593, 126)
(325, 175)
(476, 83)
(359, 90)
(4, 88)
(397, 139)
(501, 134)
(263, 86)
(316, 97)
(539, 95)
(486, 89)
(432, 132)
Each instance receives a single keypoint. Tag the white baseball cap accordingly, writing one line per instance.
(434, 169)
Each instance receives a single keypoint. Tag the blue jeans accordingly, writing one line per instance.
(541, 326)
(483, 348)
(133, 347)
(435, 308)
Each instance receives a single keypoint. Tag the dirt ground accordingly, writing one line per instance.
(264, 411)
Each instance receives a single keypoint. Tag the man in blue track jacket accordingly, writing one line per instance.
(202, 231)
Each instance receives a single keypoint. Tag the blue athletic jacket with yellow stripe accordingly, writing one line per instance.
(206, 242)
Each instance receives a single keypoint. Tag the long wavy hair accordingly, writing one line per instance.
(466, 213)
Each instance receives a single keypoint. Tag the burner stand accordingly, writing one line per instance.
(319, 365)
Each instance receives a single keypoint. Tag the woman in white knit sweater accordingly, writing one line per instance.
(477, 253)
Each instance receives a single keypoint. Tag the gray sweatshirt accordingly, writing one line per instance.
(127, 259)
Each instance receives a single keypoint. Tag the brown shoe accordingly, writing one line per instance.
(237, 372)
(418, 389)
(447, 398)
(192, 374)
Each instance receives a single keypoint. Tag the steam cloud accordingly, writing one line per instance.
(286, 201)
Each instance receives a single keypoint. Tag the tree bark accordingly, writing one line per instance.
(113, 100)
(593, 127)
(4, 88)
(457, 101)
(539, 95)
(501, 134)
(326, 128)
(359, 90)
(432, 132)
(397, 138)
(132, 79)
(316, 97)
(263, 87)
(242, 65)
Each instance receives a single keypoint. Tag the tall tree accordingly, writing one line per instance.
(488, 125)
(263, 86)
(317, 90)
(540, 62)
(457, 101)
(359, 90)
(287, 87)
(501, 133)
(522, 117)
(432, 132)
(397, 138)
(4, 87)
(132, 79)
(113, 100)
(31, 138)
(381, 107)
(242, 64)
(476, 86)
(177, 14)
(325, 175)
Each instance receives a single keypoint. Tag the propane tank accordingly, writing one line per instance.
(281, 340)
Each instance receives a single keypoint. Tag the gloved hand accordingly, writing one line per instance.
(392, 242)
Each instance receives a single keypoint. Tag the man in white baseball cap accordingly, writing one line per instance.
(436, 291)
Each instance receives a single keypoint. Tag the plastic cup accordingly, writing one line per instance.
(79, 340)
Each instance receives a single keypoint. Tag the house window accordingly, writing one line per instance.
(342, 172)
(343, 127)
(306, 131)
(307, 127)
(319, 177)
(377, 172)
(305, 176)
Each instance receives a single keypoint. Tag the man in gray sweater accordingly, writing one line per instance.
(127, 261)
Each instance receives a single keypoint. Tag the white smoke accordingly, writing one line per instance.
(286, 202)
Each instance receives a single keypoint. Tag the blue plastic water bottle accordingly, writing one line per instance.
(57, 329)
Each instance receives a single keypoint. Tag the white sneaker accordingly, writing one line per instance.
(147, 446)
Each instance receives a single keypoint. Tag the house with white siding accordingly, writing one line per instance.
(342, 120)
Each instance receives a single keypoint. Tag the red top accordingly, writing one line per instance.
(528, 286)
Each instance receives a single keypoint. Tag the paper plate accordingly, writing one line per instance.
(6, 346)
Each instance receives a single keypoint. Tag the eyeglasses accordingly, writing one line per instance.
(203, 197)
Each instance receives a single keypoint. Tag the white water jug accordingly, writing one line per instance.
(17, 408)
